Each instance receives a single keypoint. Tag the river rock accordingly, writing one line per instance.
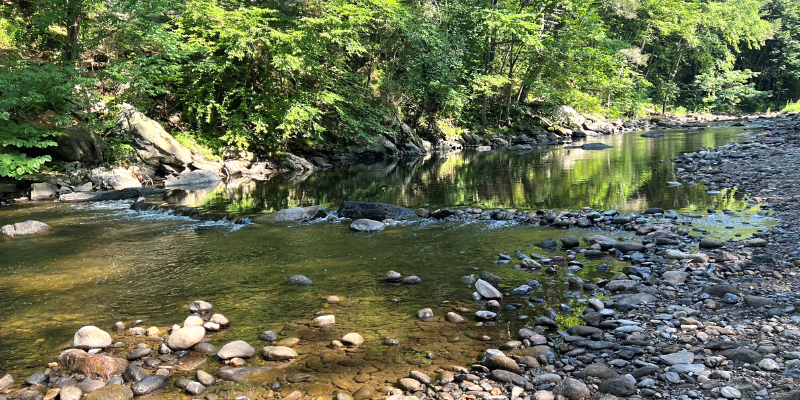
(238, 348)
(569, 241)
(425, 314)
(721, 290)
(322, 321)
(278, 353)
(742, 355)
(28, 227)
(185, 338)
(375, 211)
(200, 177)
(674, 277)
(193, 320)
(598, 370)
(636, 299)
(91, 337)
(629, 247)
(220, 320)
(201, 307)
(500, 375)
(242, 373)
(710, 244)
(90, 385)
(6, 382)
(300, 280)
(393, 276)
(769, 364)
(110, 392)
(81, 362)
(454, 318)
(572, 389)
(149, 384)
(73, 393)
(500, 361)
(595, 146)
(621, 285)
(43, 191)
(411, 280)
(291, 215)
(367, 225)
(675, 254)
(205, 378)
(134, 373)
(758, 301)
(604, 242)
(681, 357)
(268, 336)
(353, 339)
(621, 386)
(195, 388)
(487, 291)
(409, 384)
(117, 178)
(139, 352)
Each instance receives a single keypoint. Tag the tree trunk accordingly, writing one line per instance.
(74, 19)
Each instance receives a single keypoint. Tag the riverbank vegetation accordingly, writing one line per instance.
(272, 75)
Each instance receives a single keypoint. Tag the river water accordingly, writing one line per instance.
(102, 263)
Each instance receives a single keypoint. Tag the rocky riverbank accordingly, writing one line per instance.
(156, 159)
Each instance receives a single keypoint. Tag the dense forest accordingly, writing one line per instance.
(272, 75)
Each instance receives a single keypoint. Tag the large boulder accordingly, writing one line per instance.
(375, 211)
(375, 148)
(77, 361)
(28, 227)
(43, 191)
(153, 144)
(78, 144)
(91, 337)
(602, 127)
(568, 117)
(117, 178)
(200, 177)
(295, 163)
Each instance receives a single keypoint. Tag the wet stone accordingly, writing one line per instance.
(268, 336)
(149, 384)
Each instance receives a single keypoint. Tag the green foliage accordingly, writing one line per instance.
(273, 75)
(791, 107)
(30, 90)
(728, 90)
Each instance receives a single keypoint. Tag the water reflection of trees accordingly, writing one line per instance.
(628, 176)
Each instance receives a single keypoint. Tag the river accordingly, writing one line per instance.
(103, 263)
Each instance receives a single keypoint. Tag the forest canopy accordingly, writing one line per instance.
(273, 75)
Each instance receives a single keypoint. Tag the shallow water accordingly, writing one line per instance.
(103, 263)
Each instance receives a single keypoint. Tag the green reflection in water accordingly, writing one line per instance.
(627, 177)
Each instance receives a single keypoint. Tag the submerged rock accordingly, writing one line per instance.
(278, 353)
(367, 225)
(300, 280)
(374, 211)
(29, 227)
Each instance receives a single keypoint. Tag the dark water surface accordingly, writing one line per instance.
(103, 263)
